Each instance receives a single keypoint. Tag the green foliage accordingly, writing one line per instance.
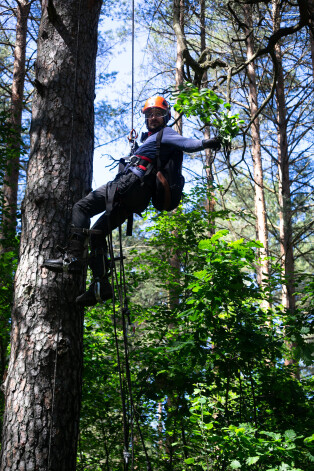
(209, 108)
(206, 324)
(242, 446)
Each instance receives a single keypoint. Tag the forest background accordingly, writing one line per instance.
(217, 373)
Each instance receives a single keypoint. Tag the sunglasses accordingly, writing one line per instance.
(155, 114)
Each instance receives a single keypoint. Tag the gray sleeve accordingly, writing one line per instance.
(170, 136)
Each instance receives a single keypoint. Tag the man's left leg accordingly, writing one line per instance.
(100, 288)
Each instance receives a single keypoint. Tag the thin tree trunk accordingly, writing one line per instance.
(11, 176)
(43, 386)
(284, 196)
(10, 186)
(310, 6)
(175, 258)
(260, 207)
(312, 49)
(179, 4)
(174, 261)
(209, 154)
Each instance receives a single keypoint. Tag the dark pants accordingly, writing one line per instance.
(130, 195)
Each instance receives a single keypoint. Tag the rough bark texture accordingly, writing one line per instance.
(12, 174)
(284, 196)
(43, 386)
(260, 208)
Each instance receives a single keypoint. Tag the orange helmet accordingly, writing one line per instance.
(158, 102)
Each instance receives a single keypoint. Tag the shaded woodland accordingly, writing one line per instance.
(204, 361)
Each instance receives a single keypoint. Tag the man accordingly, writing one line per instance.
(130, 192)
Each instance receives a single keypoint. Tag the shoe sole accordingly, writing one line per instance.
(92, 302)
(60, 269)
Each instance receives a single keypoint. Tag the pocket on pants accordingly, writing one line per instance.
(127, 184)
(133, 193)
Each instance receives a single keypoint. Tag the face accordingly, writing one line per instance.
(155, 118)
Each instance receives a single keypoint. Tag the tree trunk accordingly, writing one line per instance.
(312, 50)
(43, 386)
(179, 5)
(260, 208)
(310, 6)
(209, 154)
(284, 196)
(174, 261)
(11, 176)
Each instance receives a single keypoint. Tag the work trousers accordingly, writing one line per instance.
(128, 194)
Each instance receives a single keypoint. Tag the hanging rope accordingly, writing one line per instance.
(132, 415)
(122, 394)
(133, 37)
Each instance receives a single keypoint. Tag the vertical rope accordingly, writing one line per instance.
(133, 34)
(124, 414)
(125, 312)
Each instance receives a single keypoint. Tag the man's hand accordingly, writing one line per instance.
(214, 144)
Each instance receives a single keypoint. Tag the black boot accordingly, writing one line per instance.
(72, 259)
(100, 289)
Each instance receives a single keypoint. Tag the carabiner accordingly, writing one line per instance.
(133, 136)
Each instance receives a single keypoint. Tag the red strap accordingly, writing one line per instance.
(144, 158)
(142, 167)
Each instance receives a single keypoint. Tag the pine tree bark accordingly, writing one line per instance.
(284, 195)
(260, 207)
(43, 386)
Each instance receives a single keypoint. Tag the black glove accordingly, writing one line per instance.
(214, 144)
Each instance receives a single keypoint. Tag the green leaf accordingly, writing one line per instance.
(235, 464)
(290, 434)
(252, 460)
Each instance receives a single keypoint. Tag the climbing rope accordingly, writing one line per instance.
(132, 415)
(133, 67)
(114, 280)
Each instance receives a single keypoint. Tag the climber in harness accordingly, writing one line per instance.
(130, 192)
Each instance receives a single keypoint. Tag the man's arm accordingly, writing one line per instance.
(171, 137)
